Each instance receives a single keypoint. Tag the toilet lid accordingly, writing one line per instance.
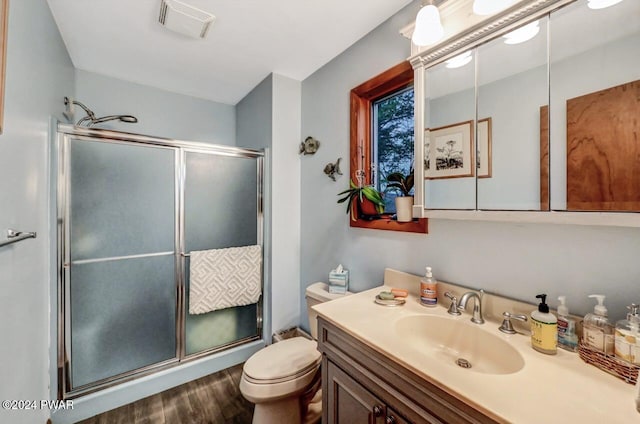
(283, 360)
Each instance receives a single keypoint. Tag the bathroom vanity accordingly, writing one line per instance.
(361, 385)
(398, 365)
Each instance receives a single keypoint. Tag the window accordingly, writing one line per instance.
(392, 140)
(382, 138)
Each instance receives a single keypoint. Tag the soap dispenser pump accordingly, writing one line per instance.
(428, 289)
(544, 328)
(567, 337)
(597, 331)
(627, 336)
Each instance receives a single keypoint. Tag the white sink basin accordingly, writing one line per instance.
(453, 342)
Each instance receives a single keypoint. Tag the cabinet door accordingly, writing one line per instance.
(393, 417)
(350, 403)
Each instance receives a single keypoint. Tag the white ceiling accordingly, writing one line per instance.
(249, 40)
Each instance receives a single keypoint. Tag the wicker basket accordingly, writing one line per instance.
(621, 369)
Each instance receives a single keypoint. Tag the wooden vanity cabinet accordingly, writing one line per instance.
(360, 385)
(349, 402)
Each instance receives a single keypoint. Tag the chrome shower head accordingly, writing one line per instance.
(122, 118)
(91, 119)
(69, 110)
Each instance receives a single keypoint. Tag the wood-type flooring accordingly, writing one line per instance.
(213, 399)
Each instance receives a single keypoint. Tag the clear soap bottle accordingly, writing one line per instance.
(597, 331)
(567, 337)
(627, 336)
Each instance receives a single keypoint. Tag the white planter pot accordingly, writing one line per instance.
(404, 208)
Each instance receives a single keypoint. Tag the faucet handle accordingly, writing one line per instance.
(506, 326)
(453, 308)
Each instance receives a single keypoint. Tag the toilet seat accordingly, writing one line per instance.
(306, 370)
(282, 361)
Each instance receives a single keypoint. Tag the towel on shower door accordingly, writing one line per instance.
(224, 278)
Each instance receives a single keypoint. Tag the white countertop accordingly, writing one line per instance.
(549, 389)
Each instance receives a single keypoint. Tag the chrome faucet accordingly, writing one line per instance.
(506, 326)
(477, 306)
(453, 307)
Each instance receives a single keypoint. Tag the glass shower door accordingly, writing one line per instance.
(221, 209)
(121, 279)
(128, 207)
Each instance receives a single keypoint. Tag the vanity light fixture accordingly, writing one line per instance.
(489, 7)
(460, 60)
(523, 34)
(601, 4)
(428, 29)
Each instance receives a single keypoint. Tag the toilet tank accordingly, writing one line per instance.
(318, 293)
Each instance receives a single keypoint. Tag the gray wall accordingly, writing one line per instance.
(516, 260)
(160, 113)
(39, 74)
(254, 116)
(285, 197)
(254, 130)
(269, 117)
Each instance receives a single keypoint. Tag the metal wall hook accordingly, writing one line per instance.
(14, 236)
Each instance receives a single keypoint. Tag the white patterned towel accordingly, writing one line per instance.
(224, 278)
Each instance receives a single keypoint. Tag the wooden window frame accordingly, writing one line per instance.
(361, 100)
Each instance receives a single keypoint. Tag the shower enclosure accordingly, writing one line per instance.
(130, 208)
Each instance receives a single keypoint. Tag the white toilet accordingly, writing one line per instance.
(283, 379)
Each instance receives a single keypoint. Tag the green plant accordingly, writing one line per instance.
(402, 183)
(361, 193)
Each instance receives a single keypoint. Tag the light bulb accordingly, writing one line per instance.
(601, 4)
(428, 29)
(460, 60)
(523, 34)
(489, 7)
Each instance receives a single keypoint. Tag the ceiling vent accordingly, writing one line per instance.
(188, 20)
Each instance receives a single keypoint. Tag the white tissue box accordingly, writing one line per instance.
(339, 281)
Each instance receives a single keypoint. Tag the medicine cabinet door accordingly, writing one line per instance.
(595, 107)
(449, 159)
(512, 125)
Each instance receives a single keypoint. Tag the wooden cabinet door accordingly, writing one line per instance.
(603, 153)
(348, 402)
(393, 417)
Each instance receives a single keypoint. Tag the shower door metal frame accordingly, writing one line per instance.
(180, 148)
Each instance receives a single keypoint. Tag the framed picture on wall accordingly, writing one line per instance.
(448, 151)
(484, 148)
(4, 19)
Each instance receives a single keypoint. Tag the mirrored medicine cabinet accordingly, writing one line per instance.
(533, 114)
